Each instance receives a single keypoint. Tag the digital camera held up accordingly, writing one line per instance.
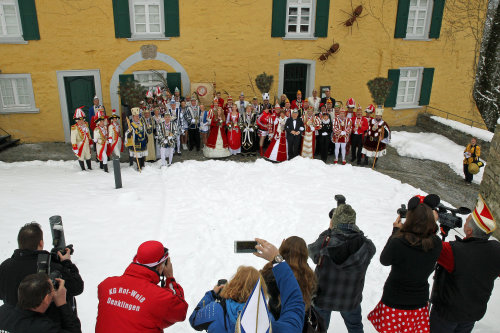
(340, 201)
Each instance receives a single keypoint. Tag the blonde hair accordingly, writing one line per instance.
(241, 285)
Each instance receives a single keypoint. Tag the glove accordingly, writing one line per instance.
(75, 151)
(251, 129)
(193, 121)
(324, 133)
(110, 140)
(342, 133)
(311, 127)
(301, 129)
(467, 155)
(165, 141)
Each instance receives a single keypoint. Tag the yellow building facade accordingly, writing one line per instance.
(229, 42)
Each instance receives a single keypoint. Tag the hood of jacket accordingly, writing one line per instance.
(233, 308)
(342, 241)
(142, 272)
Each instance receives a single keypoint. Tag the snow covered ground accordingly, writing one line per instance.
(479, 133)
(197, 209)
(433, 147)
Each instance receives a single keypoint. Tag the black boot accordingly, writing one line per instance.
(82, 165)
(89, 166)
(105, 168)
(366, 160)
(142, 161)
(131, 160)
(100, 164)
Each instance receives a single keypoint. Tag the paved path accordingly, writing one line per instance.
(430, 176)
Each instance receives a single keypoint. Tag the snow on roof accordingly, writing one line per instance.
(474, 131)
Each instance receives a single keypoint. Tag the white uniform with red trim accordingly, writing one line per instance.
(101, 142)
(80, 141)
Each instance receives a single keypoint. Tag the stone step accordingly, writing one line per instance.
(4, 138)
(8, 143)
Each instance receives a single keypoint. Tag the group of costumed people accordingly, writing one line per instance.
(163, 124)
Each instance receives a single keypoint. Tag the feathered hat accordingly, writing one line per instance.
(351, 103)
(79, 114)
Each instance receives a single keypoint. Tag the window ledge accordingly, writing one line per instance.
(12, 111)
(135, 38)
(406, 107)
(12, 40)
(300, 38)
(418, 39)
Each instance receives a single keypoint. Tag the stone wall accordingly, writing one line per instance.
(425, 122)
(490, 185)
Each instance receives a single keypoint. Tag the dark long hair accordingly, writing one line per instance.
(420, 227)
(294, 251)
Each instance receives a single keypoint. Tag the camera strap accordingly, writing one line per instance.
(325, 243)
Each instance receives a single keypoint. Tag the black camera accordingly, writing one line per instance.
(402, 211)
(58, 240)
(43, 266)
(340, 201)
(448, 217)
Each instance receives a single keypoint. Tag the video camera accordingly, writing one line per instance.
(59, 245)
(340, 201)
(450, 220)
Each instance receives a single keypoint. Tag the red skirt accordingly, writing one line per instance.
(389, 320)
(234, 138)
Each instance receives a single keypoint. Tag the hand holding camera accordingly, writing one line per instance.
(60, 292)
(65, 256)
(168, 270)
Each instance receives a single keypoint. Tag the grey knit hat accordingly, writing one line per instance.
(344, 214)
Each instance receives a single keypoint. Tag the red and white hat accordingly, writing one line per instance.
(482, 216)
(149, 94)
(114, 114)
(351, 103)
(158, 91)
(79, 114)
(370, 108)
(229, 98)
(151, 254)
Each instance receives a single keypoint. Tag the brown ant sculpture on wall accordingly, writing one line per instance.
(334, 48)
(353, 17)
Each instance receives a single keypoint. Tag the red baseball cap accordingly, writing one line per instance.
(151, 253)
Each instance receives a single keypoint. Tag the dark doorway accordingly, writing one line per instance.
(80, 91)
(295, 78)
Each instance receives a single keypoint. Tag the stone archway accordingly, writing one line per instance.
(137, 57)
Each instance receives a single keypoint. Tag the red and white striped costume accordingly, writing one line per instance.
(341, 130)
(277, 150)
(264, 123)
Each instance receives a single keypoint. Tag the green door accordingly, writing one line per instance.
(295, 78)
(80, 91)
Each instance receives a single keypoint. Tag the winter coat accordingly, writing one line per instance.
(23, 263)
(216, 316)
(342, 258)
(474, 151)
(134, 302)
(14, 320)
(406, 287)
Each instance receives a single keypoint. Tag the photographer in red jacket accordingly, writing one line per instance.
(134, 302)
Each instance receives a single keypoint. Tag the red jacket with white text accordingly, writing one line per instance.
(134, 302)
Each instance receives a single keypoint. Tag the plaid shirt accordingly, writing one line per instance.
(340, 286)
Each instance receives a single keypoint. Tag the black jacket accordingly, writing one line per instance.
(299, 126)
(23, 263)
(463, 294)
(15, 320)
(342, 258)
(407, 288)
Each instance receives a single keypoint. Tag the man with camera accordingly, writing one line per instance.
(342, 254)
(36, 293)
(134, 302)
(25, 261)
(465, 275)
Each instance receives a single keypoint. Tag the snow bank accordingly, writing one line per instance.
(474, 131)
(198, 209)
(431, 146)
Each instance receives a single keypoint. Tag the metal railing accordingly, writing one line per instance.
(450, 116)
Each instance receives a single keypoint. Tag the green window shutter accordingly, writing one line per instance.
(29, 20)
(121, 16)
(322, 12)
(173, 81)
(402, 18)
(425, 90)
(171, 10)
(437, 18)
(279, 17)
(393, 76)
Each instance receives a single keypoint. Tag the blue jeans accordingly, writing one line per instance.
(440, 325)
(352, 319)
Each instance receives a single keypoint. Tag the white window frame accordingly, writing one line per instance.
(12, 39)
(152, 76)
(418, 88)
(147, 35)
(28, 108)
(312, 22)
(427, 25)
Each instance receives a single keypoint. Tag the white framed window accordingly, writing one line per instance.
(410, 82)
(10, 21)
(300, 17)
(16, 94)
(149, 79)
(147, 18)
(419, 19)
